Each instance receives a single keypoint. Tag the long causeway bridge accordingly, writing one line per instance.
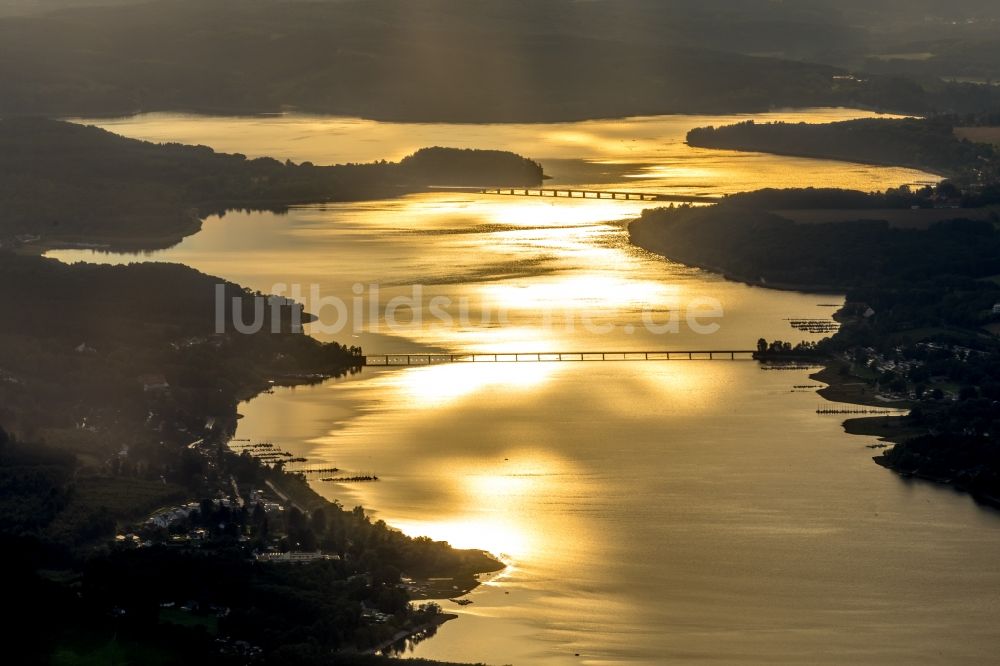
(553, 357)
(593, 195)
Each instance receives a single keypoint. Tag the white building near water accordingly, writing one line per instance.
(297, 557)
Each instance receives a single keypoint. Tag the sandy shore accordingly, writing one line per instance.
(850, 389)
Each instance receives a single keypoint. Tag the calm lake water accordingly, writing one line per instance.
(661, 512)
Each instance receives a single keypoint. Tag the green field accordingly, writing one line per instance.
(979, 134)
(177, 616)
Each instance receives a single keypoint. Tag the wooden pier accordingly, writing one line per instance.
(555, 357)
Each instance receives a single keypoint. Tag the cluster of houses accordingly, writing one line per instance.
(168, 519)
(214, 341)
(880, 363)
(373, 614)
(904, 366)
(294, 557)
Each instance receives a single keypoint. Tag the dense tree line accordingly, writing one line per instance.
(820, 198)
(760, 246)
(968, 461)
(449, 166)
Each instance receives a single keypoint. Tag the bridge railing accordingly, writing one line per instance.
(550, 357)
(618, 195)
(575, 193)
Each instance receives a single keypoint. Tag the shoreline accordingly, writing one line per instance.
(840, 388)
(890, 430)
(288, 109)
(193, 224)
(641, 240)
(934, 171)
(307, 498)
(849, 389)
(403, 634)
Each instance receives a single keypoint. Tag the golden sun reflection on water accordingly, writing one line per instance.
(639, 519)
(594, 143)
(520, 211)
(491, 500)
(494, 478)
(438, 385)
(676, 172)
(504, 537)
(581, 292)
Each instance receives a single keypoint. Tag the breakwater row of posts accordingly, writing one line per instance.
(351, 479)
(266, 452)
(270, 454)
(814, 325)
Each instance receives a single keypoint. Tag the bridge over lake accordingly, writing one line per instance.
(593, 195)
(555, 357)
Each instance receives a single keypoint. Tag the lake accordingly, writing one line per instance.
(650, 512)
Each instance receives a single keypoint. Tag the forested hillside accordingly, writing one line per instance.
(441, 60)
